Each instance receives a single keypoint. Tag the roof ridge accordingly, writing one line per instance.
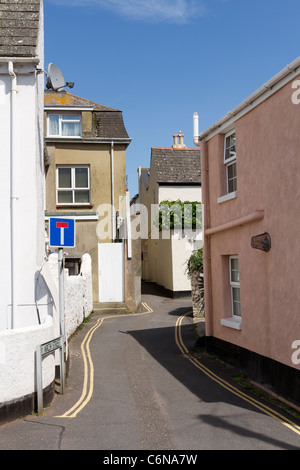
(90, 101)
(171, 148)
(93, 103)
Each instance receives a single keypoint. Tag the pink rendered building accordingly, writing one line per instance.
(250, 167)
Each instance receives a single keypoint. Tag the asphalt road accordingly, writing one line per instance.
(138, 383)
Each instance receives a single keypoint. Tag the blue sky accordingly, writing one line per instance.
(159, 61)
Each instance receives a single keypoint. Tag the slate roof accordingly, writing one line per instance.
(107, 123)
(19, 27)
(176, 166)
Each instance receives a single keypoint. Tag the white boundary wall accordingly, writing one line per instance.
(17, 360)
(18, 346)
(78, 292)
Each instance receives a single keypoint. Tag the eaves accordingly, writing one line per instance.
(261, 94)
(101, 140)
(67, 108)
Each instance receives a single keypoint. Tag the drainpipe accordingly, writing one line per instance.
(112, 192)
(206, 225)
(13, 197)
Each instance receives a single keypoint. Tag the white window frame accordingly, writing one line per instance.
(60, 120)
(73, 188)
(229, 161)
(233, 285)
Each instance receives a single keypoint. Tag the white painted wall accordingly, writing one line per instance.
(78, 294)
(174, 253)
(182, 248)
(33, 322)
(5, 84)
(29, 193)
(18, 346)
(183, 193)
(17, 360)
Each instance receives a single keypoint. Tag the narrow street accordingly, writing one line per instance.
(137, 382)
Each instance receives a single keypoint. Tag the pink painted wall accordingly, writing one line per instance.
(268, 172)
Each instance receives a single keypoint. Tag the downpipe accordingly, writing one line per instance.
(13, 196)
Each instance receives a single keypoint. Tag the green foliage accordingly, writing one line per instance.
(195, 262)
(179, 215)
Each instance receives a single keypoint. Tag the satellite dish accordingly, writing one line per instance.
(55, 78)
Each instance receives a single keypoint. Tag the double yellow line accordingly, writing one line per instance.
(88, 382)
(265, 409)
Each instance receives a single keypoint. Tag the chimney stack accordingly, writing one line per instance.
(181, 144)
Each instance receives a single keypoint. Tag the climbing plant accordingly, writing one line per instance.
(179, 215)
(195, 262)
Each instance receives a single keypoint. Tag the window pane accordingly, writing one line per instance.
(232, 178)
(64, 178)
(53, 124)
(234, 270)
(81, 178)
(71, 129)
(64, 197)
(82, 197)
(236, 301)
(70, 117)
(230, 151)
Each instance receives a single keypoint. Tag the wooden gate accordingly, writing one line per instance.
(111, 272)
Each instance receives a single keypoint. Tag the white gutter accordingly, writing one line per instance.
(95, 140)
(13, 196)
(67, 108)
(30, 60)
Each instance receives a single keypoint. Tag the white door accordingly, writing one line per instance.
(111, 272)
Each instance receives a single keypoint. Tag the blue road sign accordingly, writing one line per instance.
(62, 233)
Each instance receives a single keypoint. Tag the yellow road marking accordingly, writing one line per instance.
(274, 414)
(88, 382)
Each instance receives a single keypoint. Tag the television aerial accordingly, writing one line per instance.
(55, 79)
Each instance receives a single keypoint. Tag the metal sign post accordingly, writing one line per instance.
(61, 311)
(62, 235)
(42, 351)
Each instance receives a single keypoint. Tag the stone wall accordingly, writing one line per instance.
(197, 284)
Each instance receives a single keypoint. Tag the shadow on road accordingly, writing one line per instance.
(161, 345)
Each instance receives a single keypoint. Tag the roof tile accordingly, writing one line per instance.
(178, 166)
(19, 27)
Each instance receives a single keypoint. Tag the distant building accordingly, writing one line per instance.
(174, 175)
(251, 190)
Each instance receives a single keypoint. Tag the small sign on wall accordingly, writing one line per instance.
(261, 242)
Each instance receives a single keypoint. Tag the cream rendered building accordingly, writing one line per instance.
(174, 175)
(85, 179)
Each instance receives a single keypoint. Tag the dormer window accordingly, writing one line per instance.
(64, 125)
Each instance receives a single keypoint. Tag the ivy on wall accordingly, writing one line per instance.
(195, 262)
(179, 215)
